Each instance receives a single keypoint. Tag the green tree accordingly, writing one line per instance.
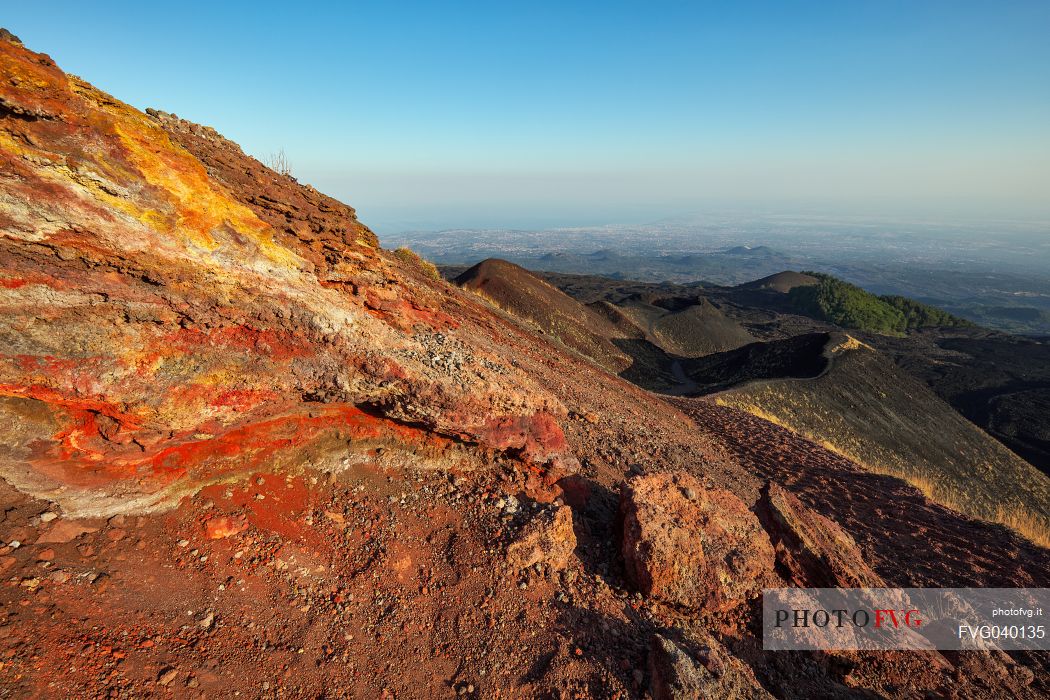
(848, 306)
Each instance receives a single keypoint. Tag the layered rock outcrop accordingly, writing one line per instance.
(172, 312)
(703, 548)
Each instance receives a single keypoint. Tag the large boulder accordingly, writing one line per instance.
(691, 546)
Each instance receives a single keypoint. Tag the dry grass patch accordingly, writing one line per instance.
(411, 257)
(1013, 515)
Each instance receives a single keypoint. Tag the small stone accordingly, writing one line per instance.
(207, 621)
(548, 540)
(167, 676)
(510, 505)
(222, 526)
(48, 517)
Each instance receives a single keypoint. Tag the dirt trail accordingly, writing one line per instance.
(685, 385)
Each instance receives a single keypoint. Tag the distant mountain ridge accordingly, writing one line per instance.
(782, 282)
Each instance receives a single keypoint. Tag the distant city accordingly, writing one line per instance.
(993, 273)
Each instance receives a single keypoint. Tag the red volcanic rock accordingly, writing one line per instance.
(321, 228)
(221, 527)
(548, 538)
(173, 312)
(691, 546)
(815, 550)
(63, 531)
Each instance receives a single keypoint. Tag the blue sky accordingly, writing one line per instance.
(429, 115)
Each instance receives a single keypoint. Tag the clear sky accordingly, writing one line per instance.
(443, 114)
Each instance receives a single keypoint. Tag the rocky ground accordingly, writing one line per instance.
(373, 582)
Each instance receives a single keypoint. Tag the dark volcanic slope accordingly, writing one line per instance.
(864, 407)
(936, 544)
(518, 291)
(697, 329)
(618, 318)
(782, 282)
(1000, 382)
(798, 357)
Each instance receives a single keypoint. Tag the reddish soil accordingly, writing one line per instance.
(368, 584)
